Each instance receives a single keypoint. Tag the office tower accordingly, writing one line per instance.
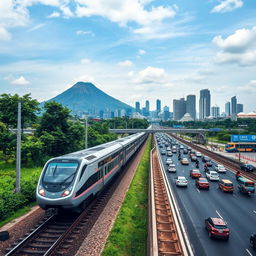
(227, 108)
(204, 104)
(191, 106)
(233, 105)
(147, 108)
(166, 113)
(158, 106)
(137, 107)
(239, 108)
(179, 109)
(215, 111)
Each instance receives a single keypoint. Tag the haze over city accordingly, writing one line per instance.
(134, 50)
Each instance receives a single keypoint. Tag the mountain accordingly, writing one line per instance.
(86, 97)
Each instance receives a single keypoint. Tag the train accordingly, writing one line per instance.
(72, 180)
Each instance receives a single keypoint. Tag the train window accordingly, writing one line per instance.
(82, 172)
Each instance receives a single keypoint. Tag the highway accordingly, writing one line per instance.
(238, 210)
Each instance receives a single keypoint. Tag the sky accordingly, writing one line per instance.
(134, 50)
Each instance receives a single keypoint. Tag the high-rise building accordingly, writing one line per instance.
(215, 111)
(191, 106)
(158, 106)
(233, 105)
(137, 107)
(239, 108)
(166, 113)
(204, 104)
(147, 108)
(227, 108)
(179, 109)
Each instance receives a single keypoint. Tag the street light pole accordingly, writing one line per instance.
(18, 149)
(86, 133)
(239, 151)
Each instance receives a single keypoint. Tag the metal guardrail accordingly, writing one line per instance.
(170, 130)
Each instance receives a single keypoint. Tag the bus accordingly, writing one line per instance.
(240, 147)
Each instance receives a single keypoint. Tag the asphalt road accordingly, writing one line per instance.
(238, 210)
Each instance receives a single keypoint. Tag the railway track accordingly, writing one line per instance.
(57, 234)
(229, 163)
(168, 242)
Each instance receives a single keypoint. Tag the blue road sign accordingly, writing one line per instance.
(243, 138)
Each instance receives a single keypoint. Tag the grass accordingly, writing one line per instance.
(129, 233)
(18, 213)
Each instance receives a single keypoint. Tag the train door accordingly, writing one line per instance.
(101, 175)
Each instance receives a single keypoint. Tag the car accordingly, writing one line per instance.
(220, 168)
(163, 152)
(226, 185)
(198, 154)
(208, 163)
(247, 167)
(212, 175)
(171, 168)
(253, 241)
(202, 183)
(193, 158)
(185, 151)
(217, 228)
(184, 161)
(168, 149)
(181, 147)
(181, 181)
(195, 173)
(168, 161)
(169, 153)
(174, 150)
(205, 159)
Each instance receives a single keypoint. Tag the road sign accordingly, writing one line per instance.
(243, 138)
(215, 129)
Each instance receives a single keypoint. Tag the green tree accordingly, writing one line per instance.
(9, 109)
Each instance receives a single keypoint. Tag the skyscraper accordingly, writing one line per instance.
(239, 108)
(233, 105)
(179, 109)
(137, 107)
(158, 106)
(147, 108)
(204, 104)
(215, 111)
(166, 113)
(227, 108)
(191, 106)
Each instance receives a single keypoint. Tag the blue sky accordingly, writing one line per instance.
(133, 50)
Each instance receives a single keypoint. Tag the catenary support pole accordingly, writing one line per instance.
(18, 149)
(86, 133)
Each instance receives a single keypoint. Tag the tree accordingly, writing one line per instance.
(9, 109)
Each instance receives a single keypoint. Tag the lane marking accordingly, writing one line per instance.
(254, 211)
(198, 190)
(219, 214)
(249, 252)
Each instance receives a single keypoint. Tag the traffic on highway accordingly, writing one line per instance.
(218, 208)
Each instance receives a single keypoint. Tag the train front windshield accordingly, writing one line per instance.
(59, 175)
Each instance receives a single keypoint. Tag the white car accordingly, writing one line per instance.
(212, 175)
(220, 168)
(172, 168)
(198, 154)
(181, 181)
(168, 161)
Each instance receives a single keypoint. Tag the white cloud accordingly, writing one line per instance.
(141, 52)
(36, 27)
(151, 75)
(54, 15)
(126, 63)
(85, 61)
(85, 78)
(4, 34)
(239, 47)
(83, 32)
(66, 11)
(20, 81)
(131, 73)
(227, 6)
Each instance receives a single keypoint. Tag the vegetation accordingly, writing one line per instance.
(129, 234)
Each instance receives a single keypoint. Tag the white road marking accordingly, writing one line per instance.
(249, 252)
(219, 214)
(254, 211)
(198, 190)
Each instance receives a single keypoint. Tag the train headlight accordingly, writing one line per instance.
(66, 193)
(41, 192)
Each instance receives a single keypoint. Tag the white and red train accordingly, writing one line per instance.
(68, 181)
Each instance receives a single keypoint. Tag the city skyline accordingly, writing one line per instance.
(144, 50)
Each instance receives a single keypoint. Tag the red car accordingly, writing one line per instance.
(217, 227)
(195, 173)
(202, 183)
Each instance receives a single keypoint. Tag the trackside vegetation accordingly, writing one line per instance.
(129, 233)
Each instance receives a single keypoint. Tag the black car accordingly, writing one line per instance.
(253, 241)
(247, 167)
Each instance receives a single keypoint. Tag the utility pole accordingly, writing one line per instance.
(86, 132)
(17, 189)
